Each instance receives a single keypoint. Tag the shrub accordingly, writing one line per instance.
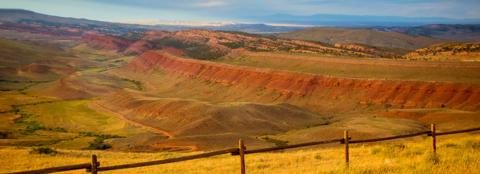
(98, 144)
(3, 135)
(34, 126)
(278, 143)
(58, 129)
(43, 150)
(375, 150)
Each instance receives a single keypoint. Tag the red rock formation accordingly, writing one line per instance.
(398, 93)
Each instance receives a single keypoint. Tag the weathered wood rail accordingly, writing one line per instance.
(94, 165)
(165, 161)
(56, 169)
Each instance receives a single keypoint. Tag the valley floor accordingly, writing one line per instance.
(455, 154)
(84, 98)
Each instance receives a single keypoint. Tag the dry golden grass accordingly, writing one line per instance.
(351, 67)
(455, 154)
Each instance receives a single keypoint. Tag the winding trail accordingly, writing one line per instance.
(121, 116)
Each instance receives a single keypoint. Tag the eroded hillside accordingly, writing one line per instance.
(201, 90)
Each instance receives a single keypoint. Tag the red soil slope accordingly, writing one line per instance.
(105, 42)
(408, 94)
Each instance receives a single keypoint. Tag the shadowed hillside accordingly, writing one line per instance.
(454, 32)
(361, 36)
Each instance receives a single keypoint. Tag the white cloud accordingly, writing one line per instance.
(211, 3)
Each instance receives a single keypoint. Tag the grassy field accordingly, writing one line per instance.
(29, 120)
(69, 124)
(455, 154)
(77, 116)
(465, 72)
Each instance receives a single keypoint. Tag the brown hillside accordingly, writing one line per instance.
(382, 52)
(23, 61)
(448, 51)
(100, 41)
(410, 94)
(184, 117)
(204, 44)
(361, 36)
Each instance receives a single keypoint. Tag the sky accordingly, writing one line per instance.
(238, 11)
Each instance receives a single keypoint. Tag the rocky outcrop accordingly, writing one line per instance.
(411, 94)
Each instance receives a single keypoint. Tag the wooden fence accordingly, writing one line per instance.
(94, 166)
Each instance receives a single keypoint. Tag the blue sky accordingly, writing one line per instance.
(151, 11)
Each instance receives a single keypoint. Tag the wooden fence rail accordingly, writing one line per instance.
(456, 132)
(289, 146)
(171, 160)
(56, 169)
(389, 138)
(241, 151)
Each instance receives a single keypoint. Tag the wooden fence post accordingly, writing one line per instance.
(434, 140)
(345, 139)
(95, 164)
(241, 152)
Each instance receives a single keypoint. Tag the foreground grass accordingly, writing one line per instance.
(456, 154)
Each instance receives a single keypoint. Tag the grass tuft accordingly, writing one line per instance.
(472, 144)
(431, 158)
(43, 150)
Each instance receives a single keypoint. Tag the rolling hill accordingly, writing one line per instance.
(202, 89)
(361, 36)
(455, 32)
(23, 62)
(130, 93)
(211, 45)
(448, 51)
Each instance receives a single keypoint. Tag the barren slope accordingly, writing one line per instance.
(183, 117)
(411, 94)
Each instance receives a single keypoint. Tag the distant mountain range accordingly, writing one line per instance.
(457, 32)
(30, 17)
(399, 37)
(335, 20)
